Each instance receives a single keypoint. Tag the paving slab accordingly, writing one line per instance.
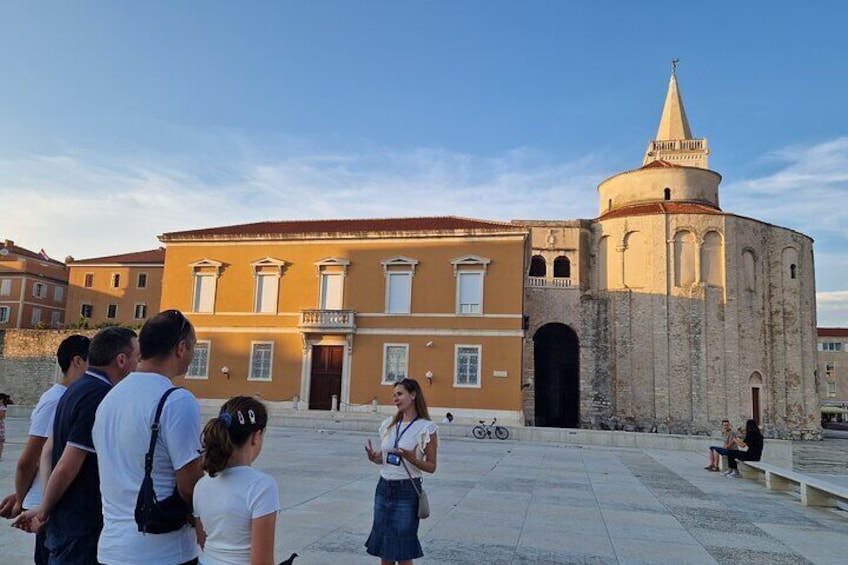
(522, 502)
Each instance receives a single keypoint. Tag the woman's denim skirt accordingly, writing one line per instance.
(394, 534)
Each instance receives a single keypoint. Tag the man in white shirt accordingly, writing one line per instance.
(122, 437)
(72, 356)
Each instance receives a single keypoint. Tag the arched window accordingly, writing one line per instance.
(538, 267)
(793, 271)
(667, 194)
(749, 270)
(636, 260)
(562, 267)
(609, 205)
(684, 258)
(711, 260)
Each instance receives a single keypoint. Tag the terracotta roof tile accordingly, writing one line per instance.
(26, 253)
(653, 208)
(832, 332)
(357, 226)
(150, 256)
(659, 164)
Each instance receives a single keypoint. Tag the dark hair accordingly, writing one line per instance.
(6, 399)
(73, 346)
(751, 429)
(412, 387)
(108, 343)
(240, 416)
(162, 333)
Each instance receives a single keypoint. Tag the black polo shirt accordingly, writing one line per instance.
(79, 512)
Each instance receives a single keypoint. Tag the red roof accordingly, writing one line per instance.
(665, 207)
(832, 332)
(358, 226)
(150, 256)
(26, 253)
(659, 164)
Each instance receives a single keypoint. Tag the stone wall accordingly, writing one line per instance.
(28, 361)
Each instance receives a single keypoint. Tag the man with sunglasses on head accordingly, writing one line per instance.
(122, 435)
(70, 505)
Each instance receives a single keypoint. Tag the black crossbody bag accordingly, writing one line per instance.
(158, 516)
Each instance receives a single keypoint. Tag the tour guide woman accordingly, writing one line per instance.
(409, 437)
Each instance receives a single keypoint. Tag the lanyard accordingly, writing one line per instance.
(399, 434)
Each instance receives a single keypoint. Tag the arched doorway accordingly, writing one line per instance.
(556, 361)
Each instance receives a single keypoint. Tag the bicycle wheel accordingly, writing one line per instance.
(479, 432)
(501, 433)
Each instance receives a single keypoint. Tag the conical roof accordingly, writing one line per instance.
(673, 124)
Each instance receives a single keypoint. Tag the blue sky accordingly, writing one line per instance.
(125, 120)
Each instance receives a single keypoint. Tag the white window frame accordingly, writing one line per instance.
(55, 317)
(831, 389)
(108, 306)
(205, 375)
(5, 314)
(459, 304)
(200, 269)
(408, 298)
(250, 376)
(272, 268)
(259, 307)
(39, 290)
(386, 346)
(456, 349)
(36, 316)
(6, 287)
(115, 280)
(331, 266)
(831, 346)
(138, 280)
(58, 293)
(135, 311)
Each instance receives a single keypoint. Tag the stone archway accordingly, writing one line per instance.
(556, 362)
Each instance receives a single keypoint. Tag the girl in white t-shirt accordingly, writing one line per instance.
(235, 505)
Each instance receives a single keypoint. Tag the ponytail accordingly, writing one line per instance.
(240, 417)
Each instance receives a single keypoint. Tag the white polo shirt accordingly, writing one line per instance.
(121, 438)
(41, 425)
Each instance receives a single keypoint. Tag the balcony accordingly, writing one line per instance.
(328, 321)
(544, 282)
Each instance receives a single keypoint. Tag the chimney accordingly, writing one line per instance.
(69, 259)
(8, 243)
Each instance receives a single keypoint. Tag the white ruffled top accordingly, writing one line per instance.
(416, 437)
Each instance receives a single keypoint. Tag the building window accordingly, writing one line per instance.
(261, 354)
(4, 314)
(39, 290)
(398, 293)
(5, 287)
(204, 293)
(470, 292)
(831, 389)
(86, 310)
(140, 311)
(36, 316)
(667, 194)
(141, 281)
(199, 368)
(267, 292)
(793, 271)
(55, 318)
(112, 311)
(538, 266)
(115, 281)
(58, 294)
(88, 281)
(562, 267)
(395, 362)
(467, 371)
(830, 346)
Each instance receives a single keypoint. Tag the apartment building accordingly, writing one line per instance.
(33, 288)
(117, 289)
(833, 373)
(331, 313)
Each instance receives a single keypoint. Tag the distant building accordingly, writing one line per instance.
(343, 309)
(33, 288)
(118, 289)
(833, 373)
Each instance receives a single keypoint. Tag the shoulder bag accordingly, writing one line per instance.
(423, 502)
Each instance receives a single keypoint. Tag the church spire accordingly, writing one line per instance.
(674, 142)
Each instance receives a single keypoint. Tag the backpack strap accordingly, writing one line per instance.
(154, 432)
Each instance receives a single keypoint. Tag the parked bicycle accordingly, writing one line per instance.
(484, 430)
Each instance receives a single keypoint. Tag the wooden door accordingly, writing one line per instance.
(755, 404)
(326, 378)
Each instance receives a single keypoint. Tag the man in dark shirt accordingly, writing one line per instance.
(72, 494)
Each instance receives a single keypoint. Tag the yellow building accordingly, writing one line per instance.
(118, 289)
(32, 288)
(335, 311)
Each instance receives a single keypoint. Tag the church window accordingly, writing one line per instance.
(684, 258)
(636, 258)
(711, 263)
(749, 270)
(562, 267)
(538, 267)
(667, 194)
(793, 271)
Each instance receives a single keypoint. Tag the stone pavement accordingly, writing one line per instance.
(509, 502)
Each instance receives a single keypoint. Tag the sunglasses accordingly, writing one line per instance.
(183, 326)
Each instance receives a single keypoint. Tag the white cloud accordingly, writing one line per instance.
(832, 308)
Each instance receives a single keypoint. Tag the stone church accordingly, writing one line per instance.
(666, 313)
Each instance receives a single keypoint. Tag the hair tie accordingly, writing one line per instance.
(226, 418)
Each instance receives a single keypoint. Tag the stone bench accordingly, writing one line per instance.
(813, 491)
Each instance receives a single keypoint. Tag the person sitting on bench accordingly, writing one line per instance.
(752, 445)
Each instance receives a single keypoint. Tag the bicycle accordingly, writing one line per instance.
(484, 430)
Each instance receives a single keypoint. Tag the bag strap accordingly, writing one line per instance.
(411, 480)
(154, 432)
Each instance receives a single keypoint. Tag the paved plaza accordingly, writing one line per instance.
(510, 502)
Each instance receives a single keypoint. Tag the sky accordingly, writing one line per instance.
(120, 121)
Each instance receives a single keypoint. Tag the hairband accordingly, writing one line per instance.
(226, 418)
